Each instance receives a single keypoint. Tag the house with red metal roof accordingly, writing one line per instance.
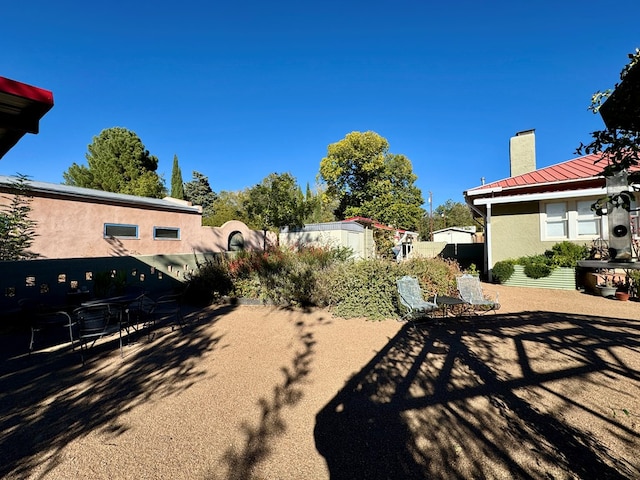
(533, 209)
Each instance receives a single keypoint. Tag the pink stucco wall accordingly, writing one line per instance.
(73, 228)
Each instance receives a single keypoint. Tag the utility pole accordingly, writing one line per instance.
(430, 216)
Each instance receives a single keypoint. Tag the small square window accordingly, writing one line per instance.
(62, 278)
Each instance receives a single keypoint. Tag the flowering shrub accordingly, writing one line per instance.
(323, 277)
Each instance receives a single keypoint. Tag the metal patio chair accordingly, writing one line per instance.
(412, 298)
(95, 321)
(168, 307)
(471, 292)
(49, 324)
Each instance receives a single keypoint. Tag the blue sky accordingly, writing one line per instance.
(238, 90)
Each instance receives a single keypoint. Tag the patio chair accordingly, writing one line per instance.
(139, 313)
(95, 321)
(471, 292)
(412, 298)
(50, 324)
(168, 307)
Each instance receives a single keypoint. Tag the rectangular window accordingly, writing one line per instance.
(588, 221)
(166, 233)
(556, 220)
(116, 230)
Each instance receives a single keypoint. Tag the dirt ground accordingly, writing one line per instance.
(547, 388)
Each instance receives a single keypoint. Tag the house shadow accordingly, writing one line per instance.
(48, 399)
(486, 398)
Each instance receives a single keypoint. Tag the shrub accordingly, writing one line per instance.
(436, 275)
(502, 270)
(365, 288)
(537, 270)
(283, 276)
(210, 281)
(567, 254)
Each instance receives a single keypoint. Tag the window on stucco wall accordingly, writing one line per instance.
(588, 221)
(117, 230)
(556, 220)
(570, 220)
(166, 233)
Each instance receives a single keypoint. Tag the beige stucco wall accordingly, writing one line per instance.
(361, 243)
(515, 231)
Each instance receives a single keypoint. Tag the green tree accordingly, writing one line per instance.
(368, 181)
(228, 206)
(275, 202)
(117, 161)
(199, 192)
(451, 214)
(619, 142)
(177, 185)
(17, 230)
(319, 206)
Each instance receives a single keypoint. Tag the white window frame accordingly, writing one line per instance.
(127, 237)
(571, 220)
(545, 222)
(592, 217)
(175, 229)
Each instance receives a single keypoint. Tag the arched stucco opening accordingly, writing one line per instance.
(236, 242)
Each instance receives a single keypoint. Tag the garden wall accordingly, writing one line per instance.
(561, 278)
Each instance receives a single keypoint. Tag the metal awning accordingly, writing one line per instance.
(21, 108)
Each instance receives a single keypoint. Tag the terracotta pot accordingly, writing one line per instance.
(622, 296)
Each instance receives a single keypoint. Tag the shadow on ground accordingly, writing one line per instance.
(491, 397)
(49, 399)
(242, 463)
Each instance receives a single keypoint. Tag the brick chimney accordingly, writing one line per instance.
(522, 152)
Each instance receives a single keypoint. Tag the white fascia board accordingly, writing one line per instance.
(590, 192)
(483, 191)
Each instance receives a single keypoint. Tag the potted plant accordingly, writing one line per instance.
(607, 289)
(622, 288)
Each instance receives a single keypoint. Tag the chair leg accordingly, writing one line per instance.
(33, 331)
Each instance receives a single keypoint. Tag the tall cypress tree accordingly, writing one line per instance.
(177, 185)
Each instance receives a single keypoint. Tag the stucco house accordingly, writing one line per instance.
(73, 222)
(533, 209)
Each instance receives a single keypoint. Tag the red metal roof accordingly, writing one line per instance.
(21, 108)
(581, 170)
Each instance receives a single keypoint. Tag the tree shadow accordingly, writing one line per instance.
(242, 463)
(486, 398)
(49, 399)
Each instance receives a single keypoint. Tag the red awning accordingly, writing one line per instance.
(21, 108)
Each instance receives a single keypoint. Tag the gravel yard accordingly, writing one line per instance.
(549, 387)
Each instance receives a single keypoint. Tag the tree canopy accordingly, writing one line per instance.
(177, 185)
(368, 181)
(17, 230)
(117, 161)
(276, 202)
(199, 192)
(620, 147)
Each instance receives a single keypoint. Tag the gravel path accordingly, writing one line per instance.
(547, 388)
